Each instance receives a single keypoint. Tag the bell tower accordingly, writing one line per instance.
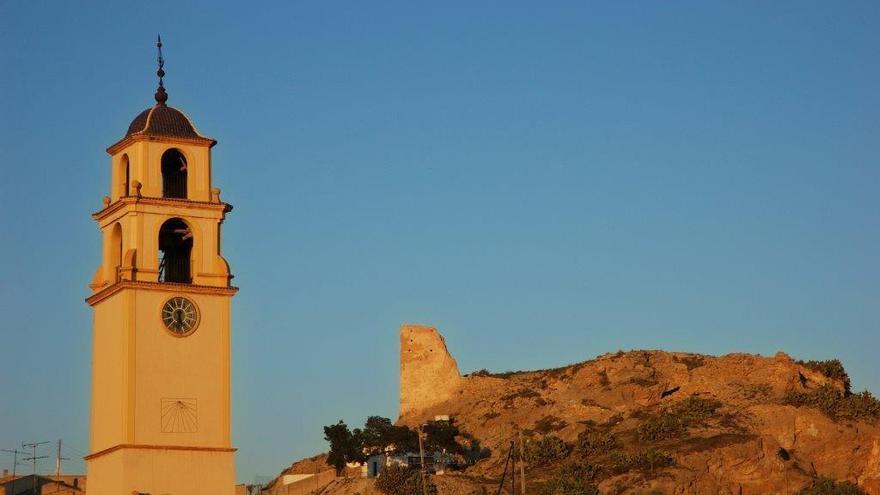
(160, 412)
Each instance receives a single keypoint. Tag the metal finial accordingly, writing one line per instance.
(161, 95)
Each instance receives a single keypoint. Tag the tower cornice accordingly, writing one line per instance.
(133, 446)
(159, 286)
(121, 203)
(134, 138)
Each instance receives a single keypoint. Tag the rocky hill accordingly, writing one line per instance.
(656, 422)
(645, 422)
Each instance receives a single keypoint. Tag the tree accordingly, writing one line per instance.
(344, 446)
(404, 439)
(377, 433)
(441, 435)
(380, 433)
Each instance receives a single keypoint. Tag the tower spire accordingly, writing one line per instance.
(161, 95)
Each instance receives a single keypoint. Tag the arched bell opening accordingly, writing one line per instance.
(175, 251)
(174, 173)
(124, 176)
(116, 252)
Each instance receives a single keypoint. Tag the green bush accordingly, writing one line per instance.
(646, 461)
(594, 443)
(574, 478)
(547, 450)
(826, 486)
(399, 480)
(836, 404)
(831, 368)
(674, 421)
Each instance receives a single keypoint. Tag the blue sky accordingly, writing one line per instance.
(544, 182)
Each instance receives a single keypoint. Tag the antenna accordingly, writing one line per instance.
(34, 457)
(58, 460)
(161, 95)
(14, 453)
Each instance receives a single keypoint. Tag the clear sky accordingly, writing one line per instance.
(543, 181)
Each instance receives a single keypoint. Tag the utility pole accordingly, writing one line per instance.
(522, 465)
(14, 453)
(513, 467)
(509, 460)
(422, 462)
(34, 457)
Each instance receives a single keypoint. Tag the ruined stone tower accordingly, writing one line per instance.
(428, 373)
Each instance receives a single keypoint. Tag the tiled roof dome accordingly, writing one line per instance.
(162, 120)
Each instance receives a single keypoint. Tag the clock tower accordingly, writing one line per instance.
(160, 414)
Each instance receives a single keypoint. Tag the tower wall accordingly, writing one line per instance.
(428, 373)
(110, 342)
(163, 472)
(160, 418)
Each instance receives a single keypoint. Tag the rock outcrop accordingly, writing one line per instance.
(428, 373)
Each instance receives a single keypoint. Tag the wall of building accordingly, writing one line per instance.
(305, 486)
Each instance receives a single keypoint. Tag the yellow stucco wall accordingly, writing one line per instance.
(137, 363)
(163, 472)
(108, 374)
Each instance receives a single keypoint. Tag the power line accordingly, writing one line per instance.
(68, 450)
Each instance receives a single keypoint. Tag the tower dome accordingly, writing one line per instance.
(162, 120)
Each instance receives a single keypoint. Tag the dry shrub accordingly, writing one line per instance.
(594, 443)
(547, 450)
(645, 461)
(691, 362)
(574, 478)
(836, 404)
(675, 421)
(827, 486)
(549, 424)
(399, 480)
(831, 368)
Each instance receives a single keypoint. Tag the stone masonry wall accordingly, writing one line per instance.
(428, 373)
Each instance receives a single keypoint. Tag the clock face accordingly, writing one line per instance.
(180, 315)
